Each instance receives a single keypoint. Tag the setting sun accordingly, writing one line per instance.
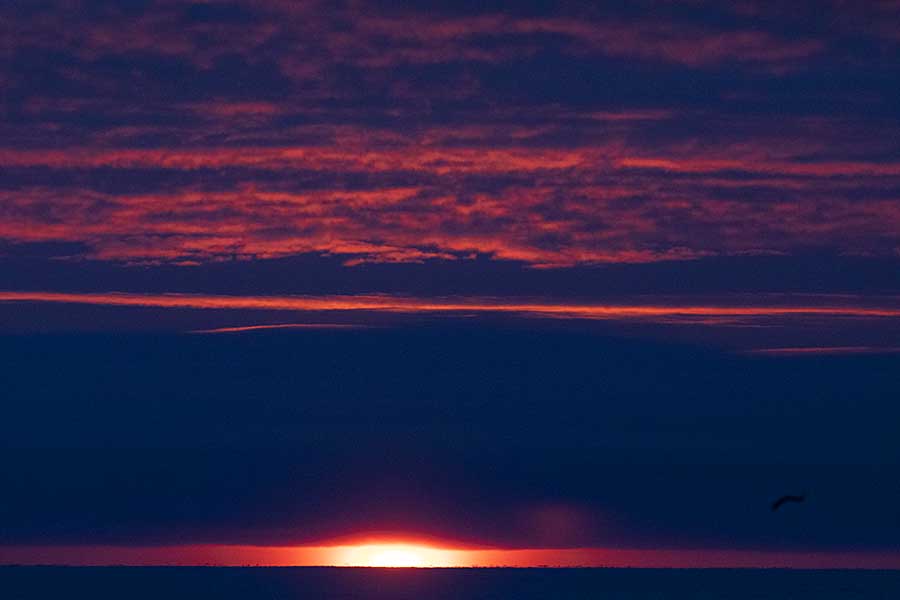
(397, 555)
(391, 556)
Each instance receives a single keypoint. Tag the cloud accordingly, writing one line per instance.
(310, 36)
(546, 207)
(826, 307)
(181, 133)
(251, 328)
(826, 350)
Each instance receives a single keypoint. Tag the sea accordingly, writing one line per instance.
(266, 583)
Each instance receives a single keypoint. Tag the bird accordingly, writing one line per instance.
(788, 498)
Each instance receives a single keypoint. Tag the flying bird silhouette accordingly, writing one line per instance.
(788, 498)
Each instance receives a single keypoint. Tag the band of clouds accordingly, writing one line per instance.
(828, 307)
(419, 149)
(542, 206)
(378, 38)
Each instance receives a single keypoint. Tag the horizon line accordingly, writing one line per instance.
(436, 556)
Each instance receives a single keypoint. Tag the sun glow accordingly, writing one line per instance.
(407, 554)
(397, 555)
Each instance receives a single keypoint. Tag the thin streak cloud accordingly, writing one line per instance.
(837, 308)
(250, 328)
(826, 350)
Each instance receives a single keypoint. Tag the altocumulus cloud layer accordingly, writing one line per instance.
(555, 134)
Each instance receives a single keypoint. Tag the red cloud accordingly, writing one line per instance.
(308, 43)
(546, 184)
(544, 206)
(827, 306)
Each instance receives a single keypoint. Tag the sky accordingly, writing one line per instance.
(524, 283)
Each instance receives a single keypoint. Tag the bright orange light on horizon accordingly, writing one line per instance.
(376, 553)
(396, 555)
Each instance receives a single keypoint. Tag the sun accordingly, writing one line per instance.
(398, 556)
(392, 555)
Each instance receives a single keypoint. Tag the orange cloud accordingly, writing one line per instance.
(826, 350)
(543, 206)
(818, 169)
(547, 183)
(834, 307)
(247, 328)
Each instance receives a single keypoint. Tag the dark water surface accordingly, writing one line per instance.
(163, 583)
